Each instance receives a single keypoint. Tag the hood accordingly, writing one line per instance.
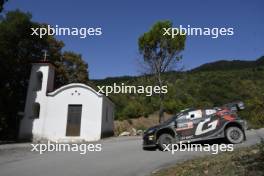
(166, 123)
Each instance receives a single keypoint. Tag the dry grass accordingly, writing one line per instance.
(242, 162)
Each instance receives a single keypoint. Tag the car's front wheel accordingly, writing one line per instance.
(234, 135)
(165, 141)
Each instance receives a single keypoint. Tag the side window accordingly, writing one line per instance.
(36, 110)
(39, 79)
(195, 114)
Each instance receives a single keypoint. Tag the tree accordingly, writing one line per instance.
(160, 53)
(72, 69)
(2, 5)
(18, 49)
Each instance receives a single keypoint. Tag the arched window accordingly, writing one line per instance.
(39, 81)
(36, 110)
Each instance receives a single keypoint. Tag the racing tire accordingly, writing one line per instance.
(234, 135)
(163, 140)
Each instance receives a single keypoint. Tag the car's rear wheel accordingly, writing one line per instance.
(165, 141)
(234, 135)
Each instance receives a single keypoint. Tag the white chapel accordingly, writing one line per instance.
(71, 113)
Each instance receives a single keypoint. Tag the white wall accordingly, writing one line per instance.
(107, 118)
(57, 109)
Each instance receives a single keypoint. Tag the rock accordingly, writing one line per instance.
(133, 132)
(125, 133)
(255, 151)
(139, 132)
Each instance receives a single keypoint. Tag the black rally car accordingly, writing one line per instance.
(197, 125)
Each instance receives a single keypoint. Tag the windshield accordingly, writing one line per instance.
(176, 116)
(171, 119)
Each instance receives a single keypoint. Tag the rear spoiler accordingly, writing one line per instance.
(235, 106)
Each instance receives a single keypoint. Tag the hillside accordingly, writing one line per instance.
(212, 84)
(230, 65)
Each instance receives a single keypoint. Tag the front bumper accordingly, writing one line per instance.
(149, 140)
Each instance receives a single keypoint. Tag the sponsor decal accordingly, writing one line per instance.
(211, 126)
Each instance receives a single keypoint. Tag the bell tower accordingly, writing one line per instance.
(41, 77)
(41, 81)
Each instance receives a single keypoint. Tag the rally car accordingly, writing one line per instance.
(192, 125)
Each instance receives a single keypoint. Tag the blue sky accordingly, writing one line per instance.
(115, 53)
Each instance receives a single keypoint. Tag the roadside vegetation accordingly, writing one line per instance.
(242, 162)
(210, 85)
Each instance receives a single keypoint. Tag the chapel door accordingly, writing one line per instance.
(74, 120)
